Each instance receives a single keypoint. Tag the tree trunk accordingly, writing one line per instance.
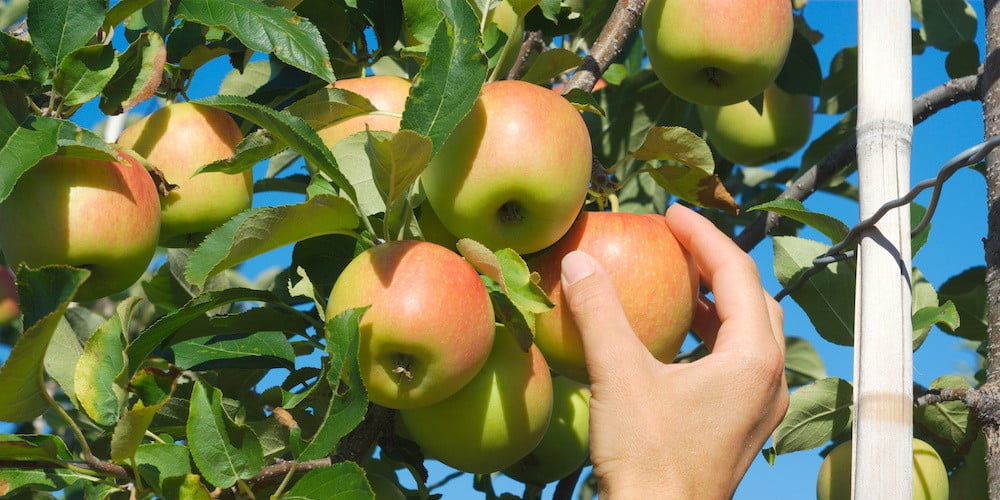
(990, 86)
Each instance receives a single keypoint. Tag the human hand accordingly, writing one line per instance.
(683, 430)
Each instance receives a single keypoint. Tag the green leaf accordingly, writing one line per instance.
(84, 72)
(271, 30)
(826, 142)
(450, 78)
(65, 349)
(550, 64)
(963, 59)
(396, 163)
(801, 73)
(154, 388)
(354, 162)
(121, 10)
(59, 27)
(255, 350)
(925, 303)
(42, 447)
(19, 61)
(99, 371)
(158, 461)
(802, 363)
(340, 481)
(828, 297)
(789, 207)
(967, 291)
(45, 294)
(223, 450)
(839, 91)
(163, 328)
(261, 230)
(276, 319)
(686, 167)
(35, 481)
(584, 101)
(946, 23)
(511, 273)
(347, 409)
(291, 130)
(256, 147)
(140, 71)
(949, 421)
(329, 106)
(816, 413)
(421, 20)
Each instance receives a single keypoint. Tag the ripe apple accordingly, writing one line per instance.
(515, 172)
(717, 52)
(9, 304)
(178, 139)
(386, 93)
(494, 420)
(930, 479)
(655, 278)
(430, 326)
(566, 444)
(97, 214)
(743, 135)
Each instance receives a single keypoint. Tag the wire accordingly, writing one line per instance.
(836, 253)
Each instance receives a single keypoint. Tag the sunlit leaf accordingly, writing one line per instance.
(223, 450)
(816, 413)
(266, 29)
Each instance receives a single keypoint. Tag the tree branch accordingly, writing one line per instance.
(622, 22)
(932, 101)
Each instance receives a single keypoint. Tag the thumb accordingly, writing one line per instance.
(609, 343)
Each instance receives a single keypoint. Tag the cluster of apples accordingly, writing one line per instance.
(109, 216)
(721, 54)
(514, 174)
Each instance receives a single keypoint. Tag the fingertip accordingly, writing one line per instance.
(576, 266)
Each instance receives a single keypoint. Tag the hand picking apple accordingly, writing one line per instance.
(711, 415)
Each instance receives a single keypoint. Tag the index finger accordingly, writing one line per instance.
(728, 271)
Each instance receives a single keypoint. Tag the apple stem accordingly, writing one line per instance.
(713, 75)
(403, 371)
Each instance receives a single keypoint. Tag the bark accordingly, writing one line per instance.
(990, 88)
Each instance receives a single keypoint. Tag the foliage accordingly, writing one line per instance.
(198, 379)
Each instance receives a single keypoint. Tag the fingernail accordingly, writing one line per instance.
(575, 267)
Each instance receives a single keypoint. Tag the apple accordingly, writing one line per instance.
(930, 479)
(515, 172)
(743, 135)
(9, 303)
(655, 278)
(496, 419)
(386, 93)
(717, 52)
(178, 139)
(430, 326)
(100, 215)
(566, 444)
